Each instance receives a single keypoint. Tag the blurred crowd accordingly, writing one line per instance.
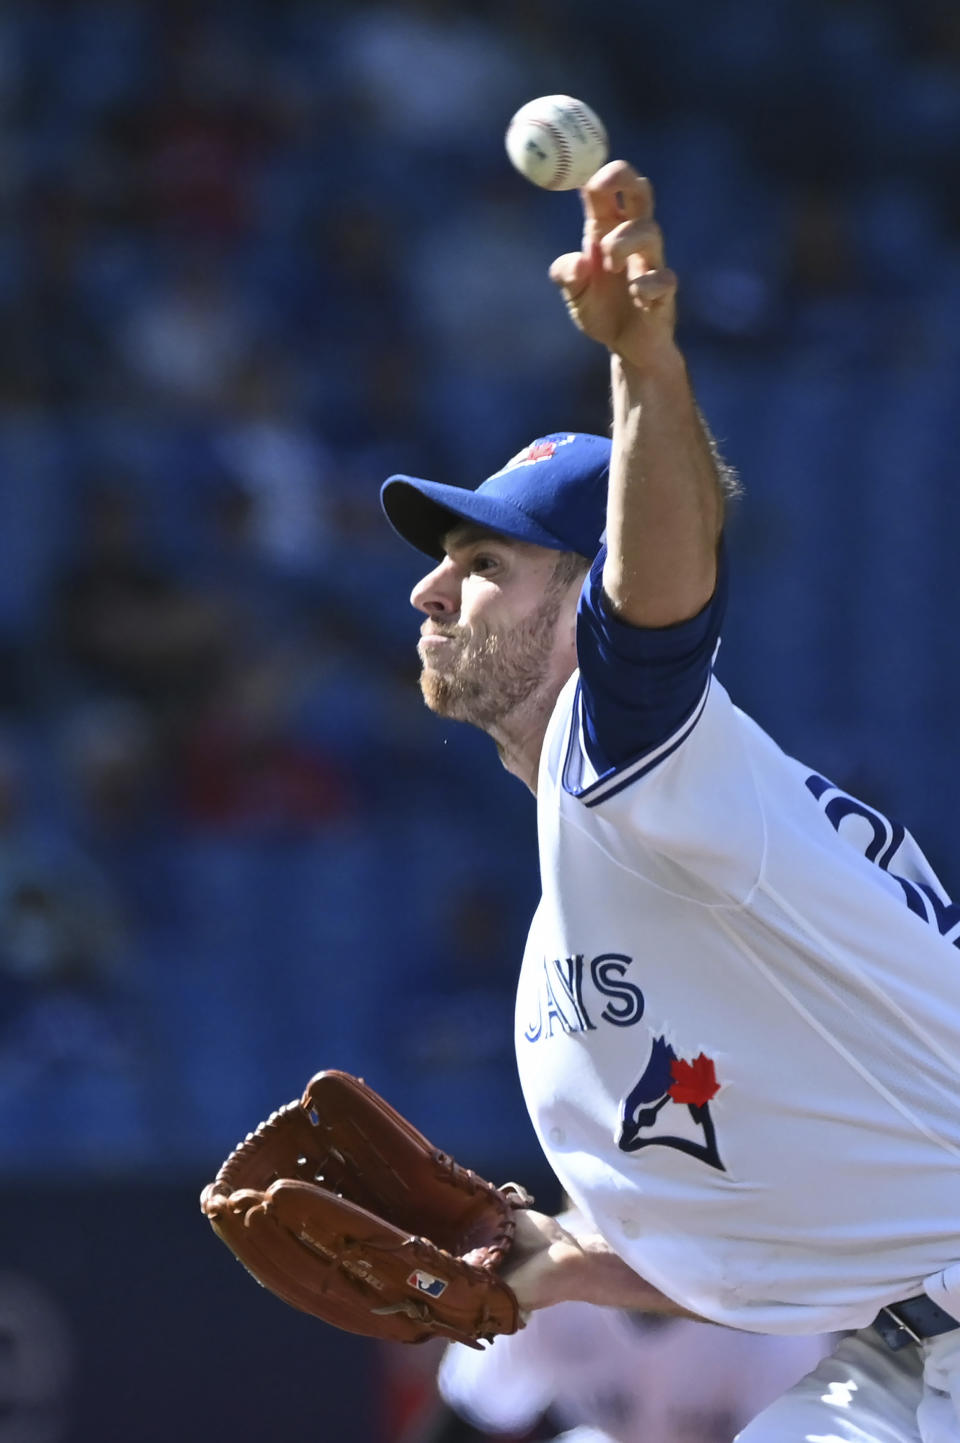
(254, 257)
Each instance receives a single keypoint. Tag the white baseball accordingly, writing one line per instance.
(557, 142)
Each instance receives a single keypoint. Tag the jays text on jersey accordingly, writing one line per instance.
(738, 1011)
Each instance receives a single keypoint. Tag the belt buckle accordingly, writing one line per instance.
(902, 1327)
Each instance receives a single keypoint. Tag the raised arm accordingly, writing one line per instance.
(666, 494)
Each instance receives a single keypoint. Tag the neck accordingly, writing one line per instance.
(519, 735)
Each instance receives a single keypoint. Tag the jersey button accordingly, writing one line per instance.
(557, 1136)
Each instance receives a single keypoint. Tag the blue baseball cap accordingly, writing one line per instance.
(552, 493)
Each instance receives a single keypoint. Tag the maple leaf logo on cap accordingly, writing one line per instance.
(539, 451)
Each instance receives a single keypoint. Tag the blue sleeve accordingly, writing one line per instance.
(638, 685)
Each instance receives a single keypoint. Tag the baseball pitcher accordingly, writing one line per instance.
(738, 1012)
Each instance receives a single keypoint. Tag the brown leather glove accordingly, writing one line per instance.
(343, 1209)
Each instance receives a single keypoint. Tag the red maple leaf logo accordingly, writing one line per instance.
(693, 1082)
(540, 450)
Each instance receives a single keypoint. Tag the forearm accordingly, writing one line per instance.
(555, 1266)
(666, 496)
(599, 1275)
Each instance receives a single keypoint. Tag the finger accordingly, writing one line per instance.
(572, 272)
(642, 239)
(615, 193)
(653, 285)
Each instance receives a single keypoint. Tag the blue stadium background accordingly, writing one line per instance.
(253, 258)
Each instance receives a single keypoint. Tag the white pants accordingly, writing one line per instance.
(866, 1393)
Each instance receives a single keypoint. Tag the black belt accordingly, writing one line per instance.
(911, 1321)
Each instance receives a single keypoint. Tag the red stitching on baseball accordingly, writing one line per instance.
(563, 145)
(589, 123)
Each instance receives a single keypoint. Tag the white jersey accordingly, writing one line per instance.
(665, 1380)
(737, 1024)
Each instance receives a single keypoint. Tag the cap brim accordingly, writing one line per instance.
(422, 512)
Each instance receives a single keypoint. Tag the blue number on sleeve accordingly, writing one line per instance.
(921, 897)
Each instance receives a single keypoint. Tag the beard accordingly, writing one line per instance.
(488, 677)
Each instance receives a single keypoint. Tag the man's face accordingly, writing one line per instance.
(499, 628)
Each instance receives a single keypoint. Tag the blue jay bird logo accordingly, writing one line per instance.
(669, 1082)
